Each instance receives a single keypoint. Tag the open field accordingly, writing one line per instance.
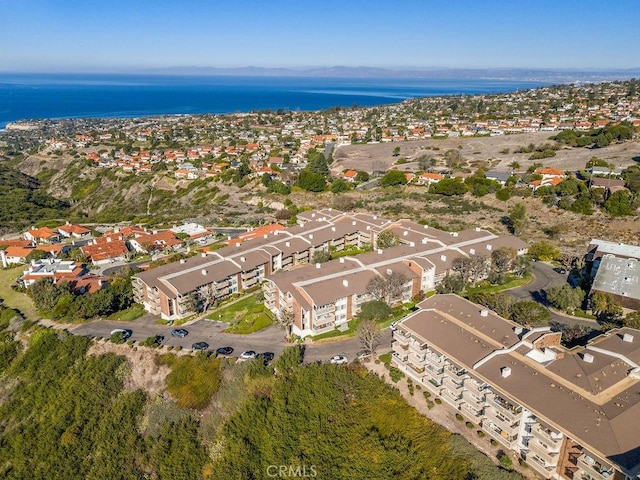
(13, 299)
(480, 149)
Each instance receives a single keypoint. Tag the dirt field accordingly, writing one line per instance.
(481, 149)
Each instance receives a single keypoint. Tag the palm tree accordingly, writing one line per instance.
(514, 166)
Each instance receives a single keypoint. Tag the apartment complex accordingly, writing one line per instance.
(615, 270)
(319, 297)
(569, 413)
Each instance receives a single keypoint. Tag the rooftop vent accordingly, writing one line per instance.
(627, 337)
(443, 258)
(243, 259)
(426, 227)
(587, 357)
(204, 255)
(353, 222)
(484, 313)
(311, 236)
(265, 236)
(424, 241)
(477, 229)
(505, 372)
(317, 265)
(454, 234)
(313, 215)
(368, 227)
(204, 271)
(389, 271)
(379, 251)
(229, 237)
(183, 260)
(288, 244)
(489, 247)
(341, 259)
(333, 229)
(405, 233)
(239, 244)
(412, 244)
(472, 251)
(375, 217)
(345, 282)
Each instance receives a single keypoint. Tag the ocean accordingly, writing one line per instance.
(39, 96)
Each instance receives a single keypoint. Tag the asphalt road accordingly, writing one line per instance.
(544, 276)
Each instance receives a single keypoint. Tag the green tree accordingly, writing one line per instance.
(517, 218)
(339, 186)
(451, 284)
(320, 256)
(449, 187)
(387, 239)
(544, 250)
(619, 204)
(177, 452)
(310, 181)
(377, 310)
(393, 178)
(565, 298)
(530, 312)
(632, 320)
(362, 176)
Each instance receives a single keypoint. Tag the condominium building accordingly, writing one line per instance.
(319, 297)
(571, 414)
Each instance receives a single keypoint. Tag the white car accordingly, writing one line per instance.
(248, 355)
(393, 325)
(339, 359)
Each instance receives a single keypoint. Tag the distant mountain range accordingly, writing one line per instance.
(508, 74)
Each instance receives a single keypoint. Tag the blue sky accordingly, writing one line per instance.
(93, 35)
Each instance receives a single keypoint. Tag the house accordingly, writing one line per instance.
(69, 230)
(497, 176)
(550, 173)
(42, 235)
(349, 176)
(548, 182)
(193, 230)
(54, 269)
(619, 278)
(428, 178)
(149, 243)
(107, 249)
(567, 413)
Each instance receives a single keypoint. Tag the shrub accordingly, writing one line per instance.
(493, 443)
(438, 401)
(469, 425)
(459, 417)
(480, 433)
(426, 394)
(505, 461)
(411, 389)
(395, 374)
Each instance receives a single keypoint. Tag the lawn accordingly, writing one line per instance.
(134, 311)
(13, 299)
(512, 281)
(246, 315)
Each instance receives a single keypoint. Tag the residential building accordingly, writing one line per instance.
(320, 297)
(568, 413)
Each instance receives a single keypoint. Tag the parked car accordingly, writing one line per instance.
(224, 351)
(125, 333)
(267, 357)
(393, 325)
(200, 346)
(179, 332)
(339, 359)
(248, 355)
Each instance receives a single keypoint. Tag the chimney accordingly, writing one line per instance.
(484, 313)
(239, 244)
(265, 236)
(243, 259)
(389, 271)
(489, 247)
(333, 229)
(229, 237)
(313, 215)
(287, 244)
(472, 251)
(353, 223)
(204, 255)
(587, 357)
(341, 259)
(183, 261)
(204, 272)
(412, 244)
(154, 232)
(443, 258)
(477, 229)
(311, 236)
(379, 251)
(627, 337)
(405, 233)
(426, 227)
(368, 227)
(455, 234)
(317, 265)
(345, 282)
(505, 372)
(375, 217)
(100, 283)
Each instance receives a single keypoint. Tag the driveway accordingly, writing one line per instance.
(544, 276)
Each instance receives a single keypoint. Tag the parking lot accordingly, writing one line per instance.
(271, 339)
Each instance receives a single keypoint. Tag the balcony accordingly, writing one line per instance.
(453, 398)
(497, 433)
(473, 398)
(540, 466)
(547, 436)
(452, 384)
(329, 308)
(542, 450)
(505, 407)
(470, 412)
(594, 468)
(506, 424)
(399, 357)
